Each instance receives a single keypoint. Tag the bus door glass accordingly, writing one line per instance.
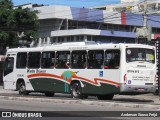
(112, 65)
(140, 64)
(9, 65)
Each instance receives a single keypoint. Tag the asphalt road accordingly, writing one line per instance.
(61, 116)
(63, 107)
(51, 106)
(67, 110)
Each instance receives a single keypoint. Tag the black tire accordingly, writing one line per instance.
(22, 89)
(49, 94)
(76, 90)
(85, 96)
(105, 97)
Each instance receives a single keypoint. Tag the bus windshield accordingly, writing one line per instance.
(140, 54)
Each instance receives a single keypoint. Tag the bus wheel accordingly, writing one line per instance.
(22, 89)
(49, 94)
(85, 96)
(76, 90)
(105, 97)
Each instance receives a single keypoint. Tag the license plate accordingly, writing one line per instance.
(140, 90)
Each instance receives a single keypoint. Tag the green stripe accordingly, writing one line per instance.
(54, 85)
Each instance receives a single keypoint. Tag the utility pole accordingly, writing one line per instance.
(145, 15)
(146, 27)
(144, 33)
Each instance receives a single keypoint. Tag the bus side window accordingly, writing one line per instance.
(34, 59)
(112, 59)
(95, 59)
(63, 59)
(78, 59)
(21, 60)
(48, 60)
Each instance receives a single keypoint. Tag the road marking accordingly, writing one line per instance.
(158, 109)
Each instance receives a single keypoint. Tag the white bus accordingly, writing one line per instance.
(82, 69)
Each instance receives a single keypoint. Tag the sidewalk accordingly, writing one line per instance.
(6, 91)
(151, 98)
(150, 101)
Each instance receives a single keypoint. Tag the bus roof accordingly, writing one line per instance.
(77, 46)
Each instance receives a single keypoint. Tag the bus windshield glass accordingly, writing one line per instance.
(140, 54)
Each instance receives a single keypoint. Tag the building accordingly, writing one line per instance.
(136, 6)
(68, 24)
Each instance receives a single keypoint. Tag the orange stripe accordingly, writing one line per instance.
(108, 81)
(44, 74)
(87, 80)
(98, 79)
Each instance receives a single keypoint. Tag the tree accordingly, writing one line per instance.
(5, 10)
(24, 21)
(16, 24)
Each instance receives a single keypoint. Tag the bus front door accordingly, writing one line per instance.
(8, 75)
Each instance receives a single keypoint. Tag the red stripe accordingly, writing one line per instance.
(123, 18)
(108, 81)
(44, 74)
(98, 79)
(87, 80)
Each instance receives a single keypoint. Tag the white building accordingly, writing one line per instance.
(132, 6)
(65, 24)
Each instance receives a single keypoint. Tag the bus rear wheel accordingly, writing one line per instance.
(105, 97)
(22, 89)
(49, 94)
(76, 90)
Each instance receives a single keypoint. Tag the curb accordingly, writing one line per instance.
(84, 102)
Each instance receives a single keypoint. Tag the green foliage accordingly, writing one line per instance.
(4, 36)
(13, 21)
(6, 8)
(23, 19)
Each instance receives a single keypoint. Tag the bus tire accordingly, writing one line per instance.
(76, 90)
(85, 96)
(49, 94)
(105, 97)
(22, 89)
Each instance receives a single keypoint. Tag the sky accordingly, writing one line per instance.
(73, 3)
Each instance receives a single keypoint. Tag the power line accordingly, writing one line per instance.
(153, 20)
(87, 11)
(109, 17)
(108, 20)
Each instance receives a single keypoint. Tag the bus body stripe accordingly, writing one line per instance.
(95, 82)
(45, 75)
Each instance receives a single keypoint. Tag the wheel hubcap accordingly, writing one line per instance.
(76, 91)
(22, 88)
